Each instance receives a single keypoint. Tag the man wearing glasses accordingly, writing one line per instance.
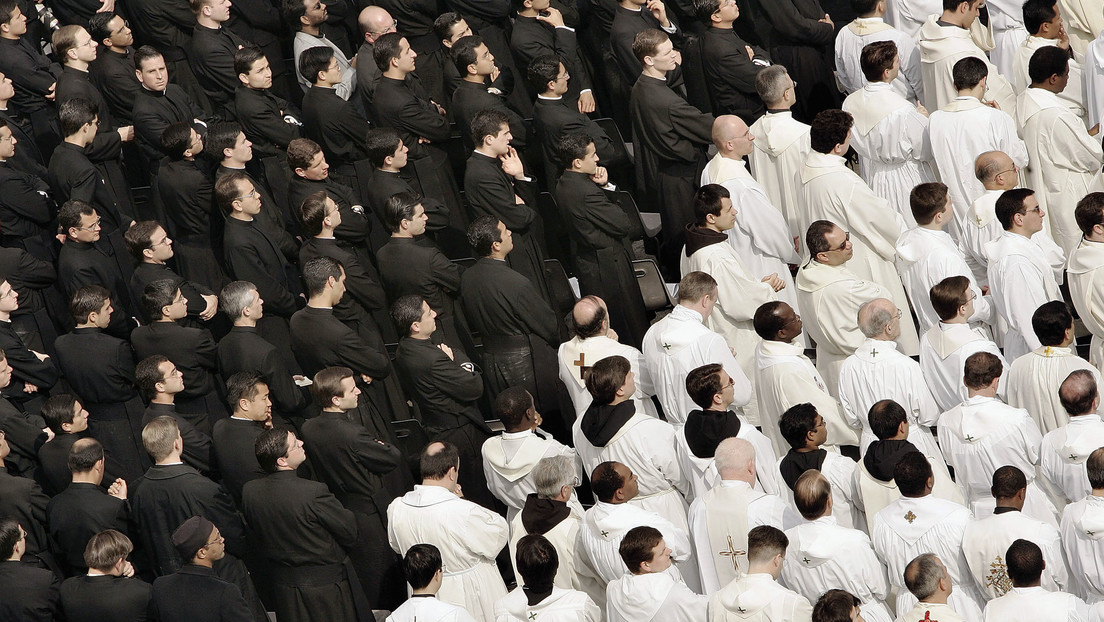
(87, 259)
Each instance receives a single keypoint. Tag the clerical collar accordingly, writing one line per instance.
(551, 99)
(324, 237)
(423, 596)
(485, 154)
(777, 110)
(170, 464)
(234, 168)
(944, 24)
(1001, 509)
(237, 418)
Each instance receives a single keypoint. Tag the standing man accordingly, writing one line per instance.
(232, 438)
(730, 64)
(307, 19)
(799, 36)
(1064, 454)
(1084, 262)
(212, 53)
(113, 69)
(195, 591)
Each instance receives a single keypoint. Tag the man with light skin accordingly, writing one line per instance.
(154, 248)
(639, 591)
(212, 52)
(540, 29)
(475, 62)
(269, 121)
(34, 75)
(759, 590)
(312, 16)
(79, 54)
(1084, 263)
(161, 382)
(928, 580)
(114, 63)
(374, 22)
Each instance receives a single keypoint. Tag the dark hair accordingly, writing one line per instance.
(570, 147)
(708, 202)
(9, 527)
(886, 417)
(948, 295)
(220, 137)
(293, 10)
(1011, 203)
(796, 423)
(511, 405)
(98, 25)
(385, 48)
(314, 61)
(704, 9)
(647, 42)
(65, 39)
(537, 560)
(144, 53)
(767, 321)
(764, 542)
(593, 327)
(317, 273)
(139, 237)
(1077, 392)
(605, 481)
(969, 72)
(420, 564)
(106, 548)
(227, 190)
(1038, 12)
(442, 26)
(381, 143)
(1050, 322)
(243, 386)
(69, 215)
(157, 295)
(637, 545)
(246, 57)
(57, 410)
(312, 212)
(437, 465)
(830, 128)
(703, 383)
(542, 70)
(952, 5)
(1095, 467)
(863, 7)
(84, 454)
(981, 369)
(1089, 212)
(835, 606)
(912, 474)
(270, 446)
(176, 139)
(327, 384)
(1025, 561)
(75, 114)
(401, 206)
(606, 377)
(1047, 61)
(876, 58)
(482, 234)
(463, 53)
(487, 123)
(300, 152)
(87, 300)
(816, 237)
(405, 311)
(147, 374)
(927, 200)
(1007, 482)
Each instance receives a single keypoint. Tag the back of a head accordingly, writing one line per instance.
(733, 455)
(708, 202)
(386, 48)
(922, 576)
(886, 417)
(420, 564)
(646, 43)
(637, 545)
(1051, 321)
(927, 200)
(948, 295)
(968, 73)
(401, 206)
(694, 286)
(159, 437)
(768, 320)
(1078, 392)
(981, 369)
(811, 493)
(764, 542)
(551, 474)
(270, 446)
(57, 410)
(84, 454)
(317, 273)
(796, 423)
(482, 234)
(510, 407)
(702, 383)
(1010, 203)
(1025, 563)
(1047, 61)
(1008, 481)
(876, 58)
(1089, 212)
(1038, 12)
(835, 606)
(537, 562)
(1095, 467)
(105, 549)
(874, 316)
(437, 459)
(605, 481)
(606, 377)
(912, 474)
(9, 537)
(771, 85)
(830, 128)
(588, 316)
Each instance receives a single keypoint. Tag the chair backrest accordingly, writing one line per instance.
(642, 226)
(652, 288)
(556, 240)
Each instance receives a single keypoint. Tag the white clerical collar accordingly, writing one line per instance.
(734, 483)
(237, 418)
(517, 435)
(870, 20)
(687, 313)
(966, 97)
(483, 153)
(171, 463)
(551, 99)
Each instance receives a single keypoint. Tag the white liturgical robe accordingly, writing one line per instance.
(1074, 94)
(981, 227)
(508, 461)
(877, 371)
(1065, 160)
(891, 137)
(1083, 20)
(860, 33)
(656, 596)
(560, 606)
(930, 612)
(824, 556)
(943, 46)
(785, 377)
(758, 598)
(732, 507)
(1038, 604)
(1064, 452)
(961, 131)
(605, 525)
(943, 353)
(1034, 379)
(1086, 264)
(469, 537)
(986, 541)
(1020, 281)
(927, 256)
(1092, 77)
(831, 296)
(839, 470)
(680, 343)
(1006, 16)
(702, 472)
(872, 495)
(579, 353)
(1082, 532)
(981, 435)
(911, 526)
(429, 609)
(781, 146)
(574, 572)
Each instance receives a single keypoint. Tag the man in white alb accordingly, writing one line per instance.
(758, 595)
(652, 589)
(422, 569)
(927, 579)
(1082, 532)
(1083, 21)
(804, 430)
(1085, 265)
(1064, 453)
(1092, 77)
(537, 597)
(1029, 598)
(870, 27)
(1044, 21)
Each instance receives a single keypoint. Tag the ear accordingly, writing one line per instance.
(164, 312)
(301, 172)
(471, 69)
(137, 72)
(304, 20)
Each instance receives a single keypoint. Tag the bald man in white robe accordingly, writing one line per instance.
(1083, 538)
(1064, 454)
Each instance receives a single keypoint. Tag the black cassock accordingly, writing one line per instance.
(261, 114)
(156, 110)
(470, 98)
(193, 352)
(212, 58)
(113, 74)
(243, 349)
(105, 597)
(76, 514)
(730, 74)
(232, 445)
(336, 126)
(146, 273)
(197, 593)
(803, 45)
(184, 198)
(411, 267)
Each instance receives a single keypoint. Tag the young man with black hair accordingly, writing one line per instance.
(759, 591)
(328, 119)
(390, 174)
(270, 122)
(1043, 23)
(477, 68)
(1027, 566)
(113, 68)
(160, 382)
(649, 590)
(211, 53)
(150, 245)
(423, 570)
(805, 430)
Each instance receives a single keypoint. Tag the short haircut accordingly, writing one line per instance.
(317, 273)
(542, 70)
(968, 73)
(487, 123)
(796, 423)
(830, 128)
(401, 206)
(1050, 322)
(228, 190)
(246, 57)
(1047, 61)
(704, 9)
(157, 295)
(327, 384)
(646, 43)
(197, 5)
(235, 297)
(835, 606)
(300, 152)
(1095, 467)
(482, 234)
(570, 147)
(694, 286)
(863, 7)
(769, 84)
(292, 11)
(220, 137)
(463, 53)
(768, 321)
(1078, 392)
(811, 493)
(764, 542)
(386, 48)
(606, 377)
(159, 435)
(405, 311)
(87, 300)
(1025, 561)
(1008, 481)
(1038, 12)
(952, 5)
(443, 25)
(605, 481)
(144, 53)
(593, 327)
(381, 143)
(874, 322)
(65, 39)
(876, 58)
(927, 200)
(702, 383)
(886, 417)
(176, 139)
(105, 549)
(1089, 212)
(312, 212)
(270, 446)
(243, 385)
(420, 565)
(511, 405)
(987, 169)
(57, 410)
(139, 237)
(637, 545)
(437, 465)
(551, 474)
(147, 373)
(84, 454)
(922, 575)
(70, 214)
(314, 61)
(981, 369)
(816, 238)
(98, 25)
(9, 527)
(537, 560)
(948, 295)
(912, 473)
(75, 114)
(708, 201)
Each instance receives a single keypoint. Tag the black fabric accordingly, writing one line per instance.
(105, 598)
(882, 457)
(601, 422)
(76, 514)
(539, 516)
(27, 593)
(794, 463)
(705, 429)
(698, 238)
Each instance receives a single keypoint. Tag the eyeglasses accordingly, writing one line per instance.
(846, 240)
(731, 382)
(897, 316)
(165, 241)
(247, 196)
(4, 139)
(91, 227)
(89, 43)
(566, 76)
(794, 85)
(217, 540)
(1037, 209)
(1014, 168)
(393, 28)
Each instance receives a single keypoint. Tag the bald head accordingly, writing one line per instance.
(589, 316)
(875, 316)
(991, 164)
(735, 460)
(374, 21)
(1078, 393)
(731, 135)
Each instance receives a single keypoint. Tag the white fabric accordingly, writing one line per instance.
(839, 470)
(1034, 379)
(574, 572)
(860, 33)
(981, 227)
(784, 377)
(702, 472)
(1082, 532)
(1020, 281)
(303, 42)
(508, 462)
(429, 609)
(762, 509)
(560, 606)
(1063, 454)
(468, 536)
(986, 541)
(678, 344)
(1084, 20)
(1037, 603)
(940, 48)
(1074, 94)
(1083, 274)
(909, 15)
(877, 371)
(943, 353)
(657, 596)
(891, 137)
(605, 525)
(930, 612)
(758, 598)
(1006, 16)
(1092, 78)
(927, 256)
(823, 555)
(781, 146)
(591, 350)
(873, 495)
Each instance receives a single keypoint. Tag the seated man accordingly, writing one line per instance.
(537, 563)
(759, 591)
(652, 589)
(473, 95)
(160, 381)
(151, 246)
(159, 104)
(27, 592)
(212, 53)
(328, 119)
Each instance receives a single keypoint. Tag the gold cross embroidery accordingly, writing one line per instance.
(910, 517)
(732, 552)
(1047, 351)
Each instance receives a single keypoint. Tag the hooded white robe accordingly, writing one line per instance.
(574, 572)
(702, 472)
(508, 462)
(429, 609)
(560, 606)
(577, 353)
(981, 227)
(1092, 80)
(758, 598)
(781, 146)
(927, 256)
(930, 612)
(1083, 19)
(605, 525)
(872, 495)
(1037, 603)
(1086, 285)
(943, 353)
(1006, 17)
(943, 46)
(860, 33)
(986, 541)
(1034, 379)
(657, 596)
(1082, 532)
(1074, 94)
(1063, 454)
(1020, 281)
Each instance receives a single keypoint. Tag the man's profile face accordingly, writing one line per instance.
(631, 488)
(218, 10)
(243, 149)
(499, 144)
(418, 222)
(85, 48)
(7, 143)
(260, 406)
(296, 453)
(7, 88)
(121, 35)
(256, 308)
(80, 418)
(153, 74)
(103, 316)
(484, 61)
(161, 245)
(89, 229)
(665, 58)
(460, 30)
(171, 378)
(348, 398)
(406, 58)
(17, 23)
(249, 200)
(428, 322)
(661, 557)
(316, 12)
(259, 76)
(5, 373)
(401, 156)
(318, 169)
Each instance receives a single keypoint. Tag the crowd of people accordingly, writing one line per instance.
(340, 311)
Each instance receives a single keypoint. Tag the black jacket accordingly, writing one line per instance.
(105, 599)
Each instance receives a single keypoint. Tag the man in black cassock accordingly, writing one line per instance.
(233, 437)
(302, 529)
(26, 208)
(729, 62)
(87, 258)
(351, 461)
(670, 138)
(113, 70)
(800, 35)
(212, 53)
(32, 72)
(497, 185)
(329, 120)
(540, 29)
(388, 157)
(264, 115)
(491, 20)
(27, 592)
(310, 172)
(473, 94)
(601, 235)
(150, 245)
(160, 382)
(630, 19)
(159, 104)
(68, 419)
(34, 280)
(111, 594)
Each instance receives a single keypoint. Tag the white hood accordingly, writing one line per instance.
(916, 243)
(1091, 522)
(425, 496)
(639, 597)
(777, 131)
(817, 546)
(1083, 436)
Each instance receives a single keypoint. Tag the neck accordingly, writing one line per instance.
(395, 74)
(117, 49)
(332, 409)
(164, 398)
(77, 140)
(245, 321)
(321, 300)
(402, 234)
(208, 22)
(447, 484)
(722, 25)
(761, 569)
(5, 316)
(206, 563)
(1095, 237)
(497, 255)
(326, 233)
(390, 168)
(986, 392)
(88, 477)
(324, 84)
(977, 92)
(1020, 231)
(938, 598)
(530, 12)
(79, 65)
(549, 94)
(1010, 503)
(1098, 492)
(872, 15)
(241, 216)
(313, 30)
(475, 78)
(233, 163)
(87, 325)
(1036, 583)
(428, 590)
(951, 18)
(170, 459)
(782, 105)
(1046, 87)
(652, 72)
(421, 336)
(806, 449)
